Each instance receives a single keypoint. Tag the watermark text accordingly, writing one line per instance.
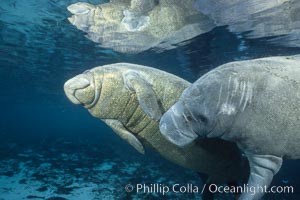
(164, 189)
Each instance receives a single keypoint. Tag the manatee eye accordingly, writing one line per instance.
(189, 118)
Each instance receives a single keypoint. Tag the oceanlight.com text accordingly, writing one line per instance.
(213, 188)
(163, 189)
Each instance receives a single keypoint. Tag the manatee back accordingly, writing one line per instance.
(273, 116)
(269, 121)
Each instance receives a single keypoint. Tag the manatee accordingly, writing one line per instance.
(138, 25)
(253, 103)
(257, 18)
(132, 98)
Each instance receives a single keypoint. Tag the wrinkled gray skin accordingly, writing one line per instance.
(131, 99)
(254, 103)
(133, 26)
(260, 18)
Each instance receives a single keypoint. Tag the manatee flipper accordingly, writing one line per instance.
(118, 127)
(145, 94)
(262, 170)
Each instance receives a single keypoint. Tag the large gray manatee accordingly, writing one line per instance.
(132, 98)
(254, 103)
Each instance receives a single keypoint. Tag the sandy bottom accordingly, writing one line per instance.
(78, 170)
(72, 172)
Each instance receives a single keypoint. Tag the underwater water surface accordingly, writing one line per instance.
(51, 149)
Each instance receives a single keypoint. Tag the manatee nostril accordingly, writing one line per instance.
(79, 83)
(70, 92)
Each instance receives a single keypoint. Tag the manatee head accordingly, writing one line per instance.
(84, 89)
(193, 116)
(83, 14)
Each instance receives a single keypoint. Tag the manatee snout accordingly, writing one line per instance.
(173, 130)
(80, 89)
(80, 8)
(82, 14)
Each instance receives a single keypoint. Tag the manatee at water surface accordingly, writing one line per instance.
(138, 25)
(131, 99)
(257, 18)
(254, 103)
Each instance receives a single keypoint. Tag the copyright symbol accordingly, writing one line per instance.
(129, 188)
